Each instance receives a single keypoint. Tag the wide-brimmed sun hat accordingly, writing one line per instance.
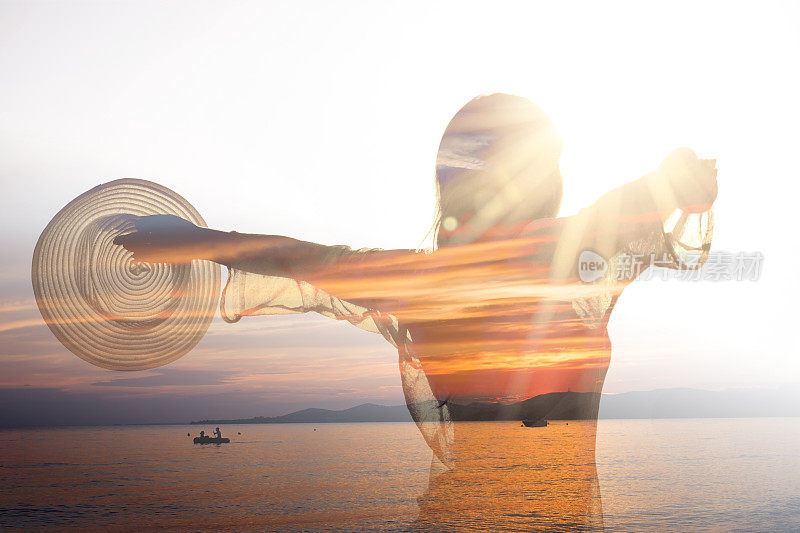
(102, 305)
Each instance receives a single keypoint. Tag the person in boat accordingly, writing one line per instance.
(202, 434)
(217, 433)
(497, 310)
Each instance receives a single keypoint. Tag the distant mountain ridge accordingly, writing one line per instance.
(697, 403)
(53, 407)
(661, 403)
(367, 412)
(554, 405)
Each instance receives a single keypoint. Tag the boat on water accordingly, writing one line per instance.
(215, 438)
(211, 440)
(535, 423)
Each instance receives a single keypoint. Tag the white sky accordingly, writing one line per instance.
(322, 122)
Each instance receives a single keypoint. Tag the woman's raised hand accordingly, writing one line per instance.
(163, 239)
(693, 181)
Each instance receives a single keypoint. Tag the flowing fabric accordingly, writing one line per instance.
(681, 243)
(248, 294)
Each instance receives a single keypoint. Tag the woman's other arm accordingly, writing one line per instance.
(625, 214)
(629, 219)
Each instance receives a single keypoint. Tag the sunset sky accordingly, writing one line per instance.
(322, 122)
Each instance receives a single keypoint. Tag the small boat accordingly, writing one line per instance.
(211, 440)
(537, 423)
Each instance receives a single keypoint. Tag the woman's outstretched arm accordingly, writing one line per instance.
(171, 239)
(361, 276)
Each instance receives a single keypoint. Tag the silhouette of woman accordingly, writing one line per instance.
(511, 304)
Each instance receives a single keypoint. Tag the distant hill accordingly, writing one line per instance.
(367, 412)
(52, 407)
(554, 406)
(695, 403)
(662, 403)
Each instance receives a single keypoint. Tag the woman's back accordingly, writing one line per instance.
(497, 326)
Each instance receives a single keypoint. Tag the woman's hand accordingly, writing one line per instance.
(693, 181)
(163, 239)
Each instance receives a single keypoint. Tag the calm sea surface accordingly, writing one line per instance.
(656, 475)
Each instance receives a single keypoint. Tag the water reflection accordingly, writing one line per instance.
(517, 478)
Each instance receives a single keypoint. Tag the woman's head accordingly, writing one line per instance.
(497, 168)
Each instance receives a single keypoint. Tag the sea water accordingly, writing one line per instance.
(653, 475)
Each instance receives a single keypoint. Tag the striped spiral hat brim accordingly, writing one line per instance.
(102, 305)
